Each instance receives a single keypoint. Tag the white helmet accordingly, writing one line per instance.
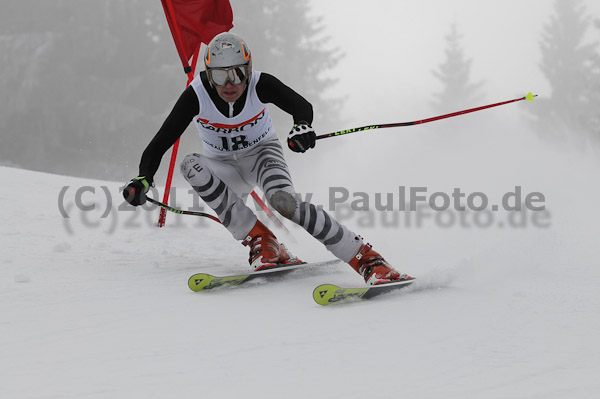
(225, 50)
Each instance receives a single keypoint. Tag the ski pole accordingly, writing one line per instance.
(528, 97)
(206, 215)
(181, 211)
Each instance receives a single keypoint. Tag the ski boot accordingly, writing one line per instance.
(374, 269)
(265, 250)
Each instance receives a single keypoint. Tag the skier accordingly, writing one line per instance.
(228, 104)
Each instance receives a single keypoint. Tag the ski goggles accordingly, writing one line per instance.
(237, 74)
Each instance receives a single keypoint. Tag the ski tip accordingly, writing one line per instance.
(323, 293)
(199, 282)
(530, 96)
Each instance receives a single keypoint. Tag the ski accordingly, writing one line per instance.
(326, 294)
(203, 282)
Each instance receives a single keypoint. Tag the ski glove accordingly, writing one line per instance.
(135, 191)
(302, 137)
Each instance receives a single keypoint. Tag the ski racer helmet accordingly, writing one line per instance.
(227, 58)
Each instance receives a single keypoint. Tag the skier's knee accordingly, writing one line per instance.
(284, 203)
(191, 166)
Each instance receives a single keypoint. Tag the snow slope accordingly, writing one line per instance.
(94, 307)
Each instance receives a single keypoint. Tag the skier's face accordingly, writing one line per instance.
(231, 92)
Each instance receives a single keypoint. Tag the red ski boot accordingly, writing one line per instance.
(374, 269)
(265, 250)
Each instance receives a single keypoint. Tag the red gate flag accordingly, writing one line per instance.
(193, 22)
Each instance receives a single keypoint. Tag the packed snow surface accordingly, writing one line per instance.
(94, 304)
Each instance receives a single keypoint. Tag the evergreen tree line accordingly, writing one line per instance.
(567, 116)
(86, 84)
(86, 81)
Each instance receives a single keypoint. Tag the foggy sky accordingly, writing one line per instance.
(392, 47)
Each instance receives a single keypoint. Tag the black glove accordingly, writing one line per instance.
(302, 137)
(135, 191)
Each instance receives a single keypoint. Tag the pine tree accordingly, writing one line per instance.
(84, 94)
(566, 115)
(454, 73)
(594, 95)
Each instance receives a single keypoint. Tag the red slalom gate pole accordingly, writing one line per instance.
(192, 22)
(163, 212)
